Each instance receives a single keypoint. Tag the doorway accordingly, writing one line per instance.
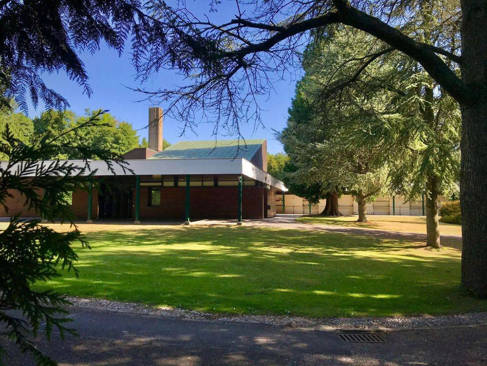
(115, 201)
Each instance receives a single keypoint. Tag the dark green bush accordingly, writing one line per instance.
(450, 212)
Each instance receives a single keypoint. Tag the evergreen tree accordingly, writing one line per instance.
(229, 64)
(388, 117)
(31, 252)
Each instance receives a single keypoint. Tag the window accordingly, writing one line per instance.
(154, 196)
(208, 181)
(169, 181)
(196, 181)
(150, 184)
(181, 181)
(249, 182)
(225, 180)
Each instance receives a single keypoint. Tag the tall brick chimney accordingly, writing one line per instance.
(155, 128)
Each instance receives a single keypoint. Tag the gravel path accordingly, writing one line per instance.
(290, 222)
(384, 323)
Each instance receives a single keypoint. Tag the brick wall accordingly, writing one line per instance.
(79, 204)
(17, 206)
(171, 207)
(139, 153)
(206, 202)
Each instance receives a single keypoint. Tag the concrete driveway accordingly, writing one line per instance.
(111, 338)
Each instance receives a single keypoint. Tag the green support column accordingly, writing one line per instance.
(240, 195)
(90, 203)
(137, 199)
(187, 204)
(422, 204)
(393, 205)
(283, 203)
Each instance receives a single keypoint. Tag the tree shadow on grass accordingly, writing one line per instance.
(262, 271)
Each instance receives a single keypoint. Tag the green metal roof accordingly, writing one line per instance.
(212, 149)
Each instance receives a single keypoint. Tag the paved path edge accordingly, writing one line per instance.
(377, 323)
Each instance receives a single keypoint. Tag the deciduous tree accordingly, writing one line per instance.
(109, 134)
(276, 164)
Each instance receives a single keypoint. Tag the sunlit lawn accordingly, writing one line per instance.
(268, 271)
(410, 224)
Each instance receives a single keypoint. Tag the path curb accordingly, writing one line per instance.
(381, 323)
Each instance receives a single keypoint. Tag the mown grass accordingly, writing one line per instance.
(269, 271)
(410, 224)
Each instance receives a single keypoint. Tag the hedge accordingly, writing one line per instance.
(450, 212)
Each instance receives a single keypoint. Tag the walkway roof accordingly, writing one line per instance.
(174, 166)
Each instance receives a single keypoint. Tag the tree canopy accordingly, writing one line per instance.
(276, 164)
(39, 35)
(387, 123)
(318, 134)
(109, 134)
(20, 125)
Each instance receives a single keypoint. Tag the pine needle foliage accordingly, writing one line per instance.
(57, 30)
(30, 252)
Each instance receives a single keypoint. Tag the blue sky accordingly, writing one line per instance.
(111, 75)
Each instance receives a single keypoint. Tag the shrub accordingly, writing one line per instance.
(450, 212)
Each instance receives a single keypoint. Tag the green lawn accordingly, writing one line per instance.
(268, 271)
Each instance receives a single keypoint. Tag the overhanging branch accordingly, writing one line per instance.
(355, 76)
(423, 53)
(284, 33)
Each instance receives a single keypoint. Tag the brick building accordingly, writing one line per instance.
(189, 180)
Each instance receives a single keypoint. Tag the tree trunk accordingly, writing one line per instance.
(473, 181)
(362, 211)
(331, 207)
(432, 180)
(432, 219)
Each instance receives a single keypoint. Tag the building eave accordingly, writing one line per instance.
(238, 166)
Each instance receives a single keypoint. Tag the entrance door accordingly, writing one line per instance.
(115, 202)
(266, 203)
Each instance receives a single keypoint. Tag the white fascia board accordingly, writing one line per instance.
(251, 171)
(153, 167)
(174, 167)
